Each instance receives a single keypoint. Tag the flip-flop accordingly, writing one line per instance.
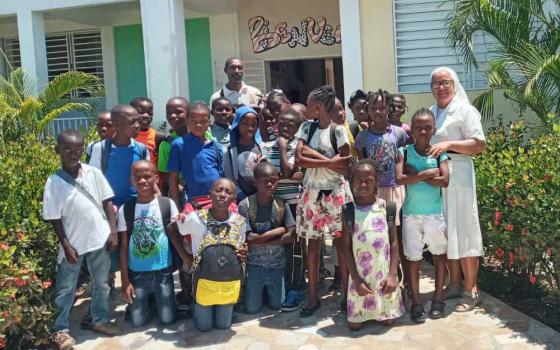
(417, 314)
(452, 293)
(436, 310)
(468, 302)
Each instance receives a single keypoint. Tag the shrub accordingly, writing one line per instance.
(28, 247)
(518, 185)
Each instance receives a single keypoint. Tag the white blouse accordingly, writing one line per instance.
(457, 122)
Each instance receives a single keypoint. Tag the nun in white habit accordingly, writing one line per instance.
(460, 134)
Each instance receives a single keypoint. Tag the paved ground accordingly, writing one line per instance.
(492, 326)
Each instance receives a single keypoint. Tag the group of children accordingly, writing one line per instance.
(239, 199)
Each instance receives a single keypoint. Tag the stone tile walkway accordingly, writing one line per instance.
(494, 325)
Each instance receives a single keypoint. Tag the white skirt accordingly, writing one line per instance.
(461, 210)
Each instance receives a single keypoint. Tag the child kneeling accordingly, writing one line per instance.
(217, 237)
(271, 225)
(146, 255)
(424, 223)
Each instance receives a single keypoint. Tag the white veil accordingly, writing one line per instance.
(459, 90)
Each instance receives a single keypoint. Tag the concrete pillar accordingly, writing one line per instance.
(351, 47)
(33, 51)
(165, 52)
(109, 67)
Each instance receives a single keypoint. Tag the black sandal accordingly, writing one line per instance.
(436, 310)
(417, 313)
(309, 311)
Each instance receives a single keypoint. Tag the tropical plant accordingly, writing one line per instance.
(25, 108)
(525, 40)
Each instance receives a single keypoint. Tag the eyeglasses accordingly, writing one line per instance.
(444, 83)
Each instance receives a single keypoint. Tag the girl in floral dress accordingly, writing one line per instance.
(372, 252)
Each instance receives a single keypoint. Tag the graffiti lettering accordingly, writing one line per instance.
(315, 30)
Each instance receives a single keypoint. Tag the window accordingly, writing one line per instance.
(421, 46)
(74, 51)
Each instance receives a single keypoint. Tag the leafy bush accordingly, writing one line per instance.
(28, 247)
(519, 200)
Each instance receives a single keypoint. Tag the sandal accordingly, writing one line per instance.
(452, 293)
(107, 328)
(309, 311)
(468, 301)
(417, 313)
(436, 310)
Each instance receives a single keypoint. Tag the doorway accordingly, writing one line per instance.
(298, 77)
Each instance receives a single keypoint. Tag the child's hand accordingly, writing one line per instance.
(339, 163)
(389, 284)
(127, 292)
(112, 242)
(282, 142)
(298, 176)
(439, 148)
(253, 238)
(181, 217)
(242, 252)
(363, 289)
(71, 254)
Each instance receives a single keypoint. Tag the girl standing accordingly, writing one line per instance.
(372, 253)
(326, 191)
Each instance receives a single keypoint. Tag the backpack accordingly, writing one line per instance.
(354, 128)
(218, 273)
(390, 214)
(313, 127)
(165, 209)
(106, 151)
(277, 208)
(401, 139)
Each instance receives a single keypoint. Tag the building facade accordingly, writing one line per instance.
(166, 48)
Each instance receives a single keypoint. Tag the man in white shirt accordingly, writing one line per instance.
(235, 90)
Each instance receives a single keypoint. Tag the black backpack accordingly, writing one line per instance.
(165, 208)
(313, 127)
(106, 146)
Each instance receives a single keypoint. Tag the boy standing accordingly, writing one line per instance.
(223, 113)
(423, 221)
(146, 256)
(104, 128)
(146, 135)
(271, 226)
(77, 202)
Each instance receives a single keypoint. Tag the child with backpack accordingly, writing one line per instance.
(272, 226)
(281, 154)
(244, 151)
(147, 135)
(77, 202)
(146, 255)
(217, 237)
(223, 112)
(323, 149)
(372, 252)
(104, 128)
(423, 221)
(114, 156)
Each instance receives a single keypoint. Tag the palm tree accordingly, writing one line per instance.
(525, 37)
(25, 109)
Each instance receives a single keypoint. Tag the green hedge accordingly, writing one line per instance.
(518, 192)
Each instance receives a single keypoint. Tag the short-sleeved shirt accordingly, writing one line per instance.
(84, 225)
(148, 138)
(384, 149)
(221, 134)
(266, 255)
(120, 160)
(458, 121)
(421, 197)
(288, 189)
(199, 162)
(194, 227)
(163, 153)
(149, 247)
(323, 178)
(247, 96)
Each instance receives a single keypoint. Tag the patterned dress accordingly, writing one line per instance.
(371, 250)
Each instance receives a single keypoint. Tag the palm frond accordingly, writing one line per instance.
(55, 113)
(61, 86)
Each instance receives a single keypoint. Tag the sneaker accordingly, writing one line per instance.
(62, 341)
(294, 301)
(107, 328)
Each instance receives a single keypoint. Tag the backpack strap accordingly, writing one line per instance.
(391, 213)
(143, 149)
(354, 128)
(218, 158)
(333, 138)
(129, 208)
(405, 154)
(401, 136)
(222, 92)
(279, 208)
(105, 152)
(165, 209)
(312, 129)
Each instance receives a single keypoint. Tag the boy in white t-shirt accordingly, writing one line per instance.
(77, 202)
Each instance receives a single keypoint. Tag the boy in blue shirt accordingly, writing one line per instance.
(146, 255)
(424, 223)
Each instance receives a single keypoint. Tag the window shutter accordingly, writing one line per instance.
(254, 74)
(11, 50)
(421, 46)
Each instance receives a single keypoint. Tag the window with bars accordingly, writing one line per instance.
(73, 51)
(421, 46)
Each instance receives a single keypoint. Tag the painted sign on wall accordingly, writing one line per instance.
(316, 31)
